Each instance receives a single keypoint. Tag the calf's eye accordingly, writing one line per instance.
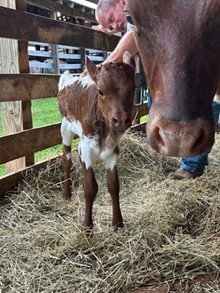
(100, 92)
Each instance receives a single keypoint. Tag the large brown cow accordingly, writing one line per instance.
(96, 108)
(179, 44)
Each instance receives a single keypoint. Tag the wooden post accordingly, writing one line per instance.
(82, 52)
(23, 63)
(11, 111)
(54, 51)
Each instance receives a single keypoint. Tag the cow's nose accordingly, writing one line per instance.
(180, 139)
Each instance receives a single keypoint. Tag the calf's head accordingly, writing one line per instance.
(115, 85)
(179, 44)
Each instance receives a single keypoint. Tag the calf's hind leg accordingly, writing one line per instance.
(67, 164)
(67, 137)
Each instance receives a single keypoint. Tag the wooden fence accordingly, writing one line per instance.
(25, 27)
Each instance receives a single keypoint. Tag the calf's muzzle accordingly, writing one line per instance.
(121, 122)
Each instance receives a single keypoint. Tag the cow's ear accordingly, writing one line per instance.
(92, 69)
(129, 59)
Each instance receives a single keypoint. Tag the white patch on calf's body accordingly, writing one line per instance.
(67, 79)
(111, 161)
(105, 154)
(86, 81)
(89, 150)
(88, 147)
(69, 129)
(108, 154)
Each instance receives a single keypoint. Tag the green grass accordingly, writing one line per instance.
(44, 112)
(144, 118)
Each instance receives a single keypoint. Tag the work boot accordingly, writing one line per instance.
(180, 174)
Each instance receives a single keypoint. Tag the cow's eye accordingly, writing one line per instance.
(100, 92)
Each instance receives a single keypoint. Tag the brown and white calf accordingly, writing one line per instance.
(97, 108)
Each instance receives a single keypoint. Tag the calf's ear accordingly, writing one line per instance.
(129, 59)
(92, 69)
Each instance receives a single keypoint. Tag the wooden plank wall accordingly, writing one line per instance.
(24, 26)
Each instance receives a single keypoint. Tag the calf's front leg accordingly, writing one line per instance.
(113, 188)
(90, 187)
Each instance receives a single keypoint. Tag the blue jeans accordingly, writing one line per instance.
(197, 164)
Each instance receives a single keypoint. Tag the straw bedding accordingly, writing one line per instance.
(170, 242)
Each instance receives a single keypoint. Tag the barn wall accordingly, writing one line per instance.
(26, 27)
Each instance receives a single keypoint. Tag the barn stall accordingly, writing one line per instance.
(171, 237)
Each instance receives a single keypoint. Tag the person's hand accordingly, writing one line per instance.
(104, 30)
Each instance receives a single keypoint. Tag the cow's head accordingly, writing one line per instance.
(179, 44)
(115, 85)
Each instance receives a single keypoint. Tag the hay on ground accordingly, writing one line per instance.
(171, 233)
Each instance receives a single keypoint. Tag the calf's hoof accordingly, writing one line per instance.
(67, 195)
(118, 226)
(88, 230)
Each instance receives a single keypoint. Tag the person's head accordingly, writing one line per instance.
(111, 14)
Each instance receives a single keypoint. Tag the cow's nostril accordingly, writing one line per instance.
(115, 121)
(128, 121)
(121, 122)
(158, 137)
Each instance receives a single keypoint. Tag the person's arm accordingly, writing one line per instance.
(127, 43)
